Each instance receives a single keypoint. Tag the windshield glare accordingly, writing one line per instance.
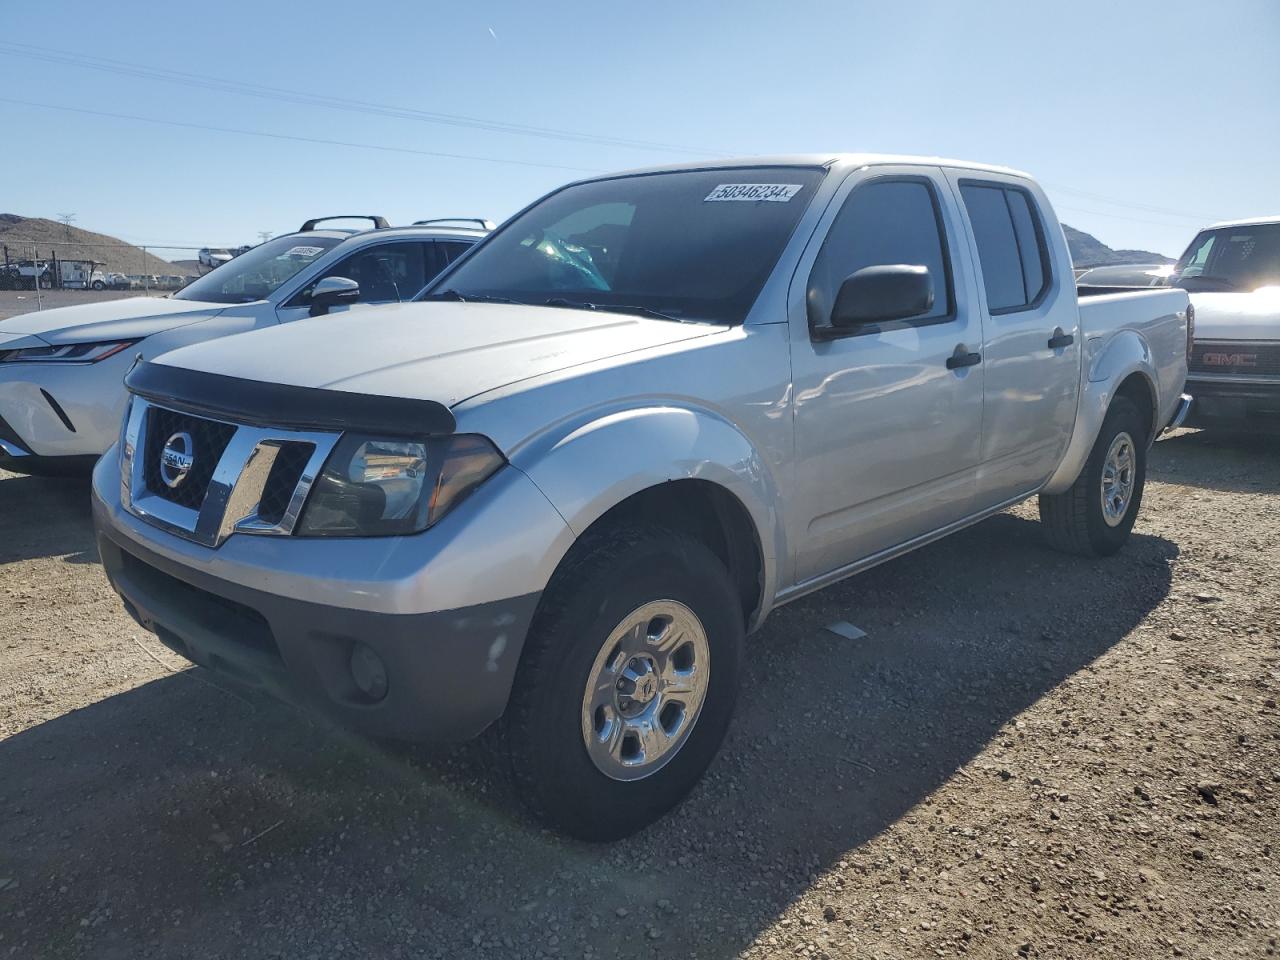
(695, 245)
(1231, 259)
(256, 273)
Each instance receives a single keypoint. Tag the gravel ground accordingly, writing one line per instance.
(14, 302)
(1029, 755)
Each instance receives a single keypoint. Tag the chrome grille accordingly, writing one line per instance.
(210, 439)
(282, 481)
(238, 478)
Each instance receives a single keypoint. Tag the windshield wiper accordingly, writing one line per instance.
(615, 308)
(456, 297)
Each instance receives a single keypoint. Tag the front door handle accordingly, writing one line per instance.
(1060, 339)
(963, 358)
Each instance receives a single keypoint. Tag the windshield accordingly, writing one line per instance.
(256, 273)
(1231, 259)
(697, 245)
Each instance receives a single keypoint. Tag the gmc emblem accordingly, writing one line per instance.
(1230, 359)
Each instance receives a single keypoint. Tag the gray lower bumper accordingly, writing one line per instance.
(447, 678)
(1219, 400)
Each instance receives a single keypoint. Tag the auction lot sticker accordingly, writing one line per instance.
(772, 192)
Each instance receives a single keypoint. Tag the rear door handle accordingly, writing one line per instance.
(961, 358)
(1060, 339)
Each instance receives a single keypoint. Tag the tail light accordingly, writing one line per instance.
(1191, 329)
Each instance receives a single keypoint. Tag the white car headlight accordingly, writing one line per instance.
(66, 352)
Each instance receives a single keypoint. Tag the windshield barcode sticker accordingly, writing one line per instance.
(303, 251)
(772, 192)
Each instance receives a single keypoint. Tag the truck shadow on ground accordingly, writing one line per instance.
(178, 820)
(46, 517)
(1219, 460)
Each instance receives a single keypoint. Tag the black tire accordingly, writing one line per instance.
(607, 577)
(99, 285)
(1073, 520)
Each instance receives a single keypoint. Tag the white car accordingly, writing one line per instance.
(62, 370)
(1232, 271)
(214, 256)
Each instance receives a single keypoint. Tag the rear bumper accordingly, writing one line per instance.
(446, 678)
(1220, 399)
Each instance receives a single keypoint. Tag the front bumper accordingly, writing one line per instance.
(445, 674)
(285, 628)
(1220, 399)
(64, 410)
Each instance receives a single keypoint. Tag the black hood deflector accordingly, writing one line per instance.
(283, 405)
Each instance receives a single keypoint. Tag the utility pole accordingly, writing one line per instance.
(67, 219)
(264, 236)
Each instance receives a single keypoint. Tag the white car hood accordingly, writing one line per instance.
(1238, 316)
(126, 319)
(446, 352)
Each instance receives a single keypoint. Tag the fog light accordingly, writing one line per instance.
(368, 671)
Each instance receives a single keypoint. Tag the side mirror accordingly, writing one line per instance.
(330, 292)
(880, 293)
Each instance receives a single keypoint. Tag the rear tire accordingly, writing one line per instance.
(593, 672)
(1096, 515)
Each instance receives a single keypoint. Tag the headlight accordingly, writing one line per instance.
(67, 352)
(381, 487)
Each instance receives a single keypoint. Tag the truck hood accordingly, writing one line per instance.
(126, 319)
(1238, 316)
(445, 352)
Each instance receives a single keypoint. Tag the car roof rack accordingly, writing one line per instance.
(483, 224)
(379, 223)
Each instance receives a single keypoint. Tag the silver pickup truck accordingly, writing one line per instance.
(554, 497)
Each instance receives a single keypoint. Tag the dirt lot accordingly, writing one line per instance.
(1030, 755)
(14, 302)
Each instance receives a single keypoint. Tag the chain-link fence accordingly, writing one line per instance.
(46, 265)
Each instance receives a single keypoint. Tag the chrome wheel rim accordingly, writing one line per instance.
(1118, 479)
(645, 690)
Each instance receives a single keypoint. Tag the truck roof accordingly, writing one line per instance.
(819, 160)
(1248, 222)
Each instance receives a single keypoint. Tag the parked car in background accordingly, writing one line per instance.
(61, 371)
(1232, 271)
(214, 256)
(117, 281)
(557, 492)
(1127, 275)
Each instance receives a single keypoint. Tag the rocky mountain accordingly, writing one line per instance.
(19, 234)
(1088, 251)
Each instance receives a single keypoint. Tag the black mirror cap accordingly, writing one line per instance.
(892, 291)
(330, 292)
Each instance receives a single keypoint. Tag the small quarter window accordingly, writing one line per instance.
(1011, 246)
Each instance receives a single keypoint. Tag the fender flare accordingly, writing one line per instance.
(1108, 365)
(590, 465)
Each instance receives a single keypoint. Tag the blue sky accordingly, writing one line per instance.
(1143, 120)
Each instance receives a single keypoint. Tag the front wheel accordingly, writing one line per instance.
(627, 682)
(99, 285)
(1096, 515)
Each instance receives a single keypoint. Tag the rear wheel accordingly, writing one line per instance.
(1096, 515)
(627, 682)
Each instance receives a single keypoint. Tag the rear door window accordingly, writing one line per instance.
(1012, 251)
